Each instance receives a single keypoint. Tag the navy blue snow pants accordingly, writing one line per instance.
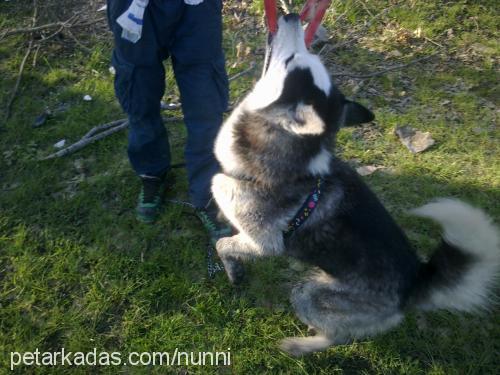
(191, 35)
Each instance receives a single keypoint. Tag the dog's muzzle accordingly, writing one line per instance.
(288, 19)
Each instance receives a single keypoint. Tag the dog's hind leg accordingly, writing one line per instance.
(340, 313)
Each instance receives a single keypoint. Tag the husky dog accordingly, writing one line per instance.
(286, 194)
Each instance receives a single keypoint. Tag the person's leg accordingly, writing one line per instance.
(198, 62)
(139, 87)
(202, 108)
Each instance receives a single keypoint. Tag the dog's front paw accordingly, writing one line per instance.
(234, 269)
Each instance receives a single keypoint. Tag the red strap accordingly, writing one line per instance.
(271, 16)
(313, 12)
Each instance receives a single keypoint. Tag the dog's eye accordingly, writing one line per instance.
(289, 59)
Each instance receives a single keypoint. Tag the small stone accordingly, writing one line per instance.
(87, 98)
(414, 140)
(60, 144)
(366, 170)
(169, 106)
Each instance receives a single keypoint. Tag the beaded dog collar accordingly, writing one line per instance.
(306, 209)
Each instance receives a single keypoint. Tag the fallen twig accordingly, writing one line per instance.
(34, 29)
(8, 109)
(27, 30)
(35, 55)
(80, 44)
(89, 23)
(389, 69)
(242, 73)
(85, 141)
(99, 128)
(97, 133)
(47, 38)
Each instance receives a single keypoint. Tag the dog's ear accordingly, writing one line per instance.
(355, 114)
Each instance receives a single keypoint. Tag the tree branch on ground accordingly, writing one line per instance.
(96, 133)
(71, 22)
(242, 73)
(8, 109)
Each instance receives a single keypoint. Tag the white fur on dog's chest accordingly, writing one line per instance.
(224, 151)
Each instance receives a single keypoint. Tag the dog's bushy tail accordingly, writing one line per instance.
(298, 346)
(461, 272)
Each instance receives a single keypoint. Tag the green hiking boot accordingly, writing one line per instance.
(215, 228)
(150, 199)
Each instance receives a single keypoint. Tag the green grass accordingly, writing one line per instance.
(77, 271)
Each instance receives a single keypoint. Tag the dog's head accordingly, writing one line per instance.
(295, 88)
(283, 129)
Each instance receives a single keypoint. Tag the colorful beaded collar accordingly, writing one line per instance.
(306, 209)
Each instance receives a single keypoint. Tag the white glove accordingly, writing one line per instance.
(131, 21)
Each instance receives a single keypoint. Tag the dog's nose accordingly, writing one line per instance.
(291, 17)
